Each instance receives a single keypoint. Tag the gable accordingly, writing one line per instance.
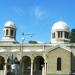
(66, 49)
(59, 52)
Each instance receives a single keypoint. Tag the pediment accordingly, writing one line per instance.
(59, 47)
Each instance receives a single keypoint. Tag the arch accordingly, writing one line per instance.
(12, 60)
(26, 58)
(2, 63)
(12, 65)
(58, 64)
(38, 65)
(25, 65)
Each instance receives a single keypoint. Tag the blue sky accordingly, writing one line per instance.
(36, 16)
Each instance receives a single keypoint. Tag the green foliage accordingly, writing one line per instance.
(33, 42)
(72, 36)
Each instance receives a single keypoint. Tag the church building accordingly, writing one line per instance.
(55, 58)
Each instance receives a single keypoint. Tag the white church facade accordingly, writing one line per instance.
(56, 58)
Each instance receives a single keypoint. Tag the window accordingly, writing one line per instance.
(11, 32)
(66, 34)
(58, 64)
(60, 35)
(7, 32)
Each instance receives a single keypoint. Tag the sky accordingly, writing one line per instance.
(36, 17)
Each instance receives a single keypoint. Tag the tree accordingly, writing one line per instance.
(72, 36)
(33, 42)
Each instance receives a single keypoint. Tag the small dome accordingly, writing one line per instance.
(10, 24)
(60, 25)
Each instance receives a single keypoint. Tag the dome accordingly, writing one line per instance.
(10, 24)
(60, 25)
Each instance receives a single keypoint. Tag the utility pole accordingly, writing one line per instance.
(23, 40)
(25, 34)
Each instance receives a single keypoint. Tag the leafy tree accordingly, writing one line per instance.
(72, 36)
(33, 42)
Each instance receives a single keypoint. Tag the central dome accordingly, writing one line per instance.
(60, 25)
(10, 24)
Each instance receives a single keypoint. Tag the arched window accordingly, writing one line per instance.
(59, 64)
(7, 32)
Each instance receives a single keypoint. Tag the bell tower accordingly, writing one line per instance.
(9, 31)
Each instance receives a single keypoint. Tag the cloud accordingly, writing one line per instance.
(38, 12)
(19, 11)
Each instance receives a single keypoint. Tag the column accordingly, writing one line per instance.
(45, 64)
(5, 70)
(56, 35)
(63, 34)
(5, 67)
(45, 68)
(31, 67)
